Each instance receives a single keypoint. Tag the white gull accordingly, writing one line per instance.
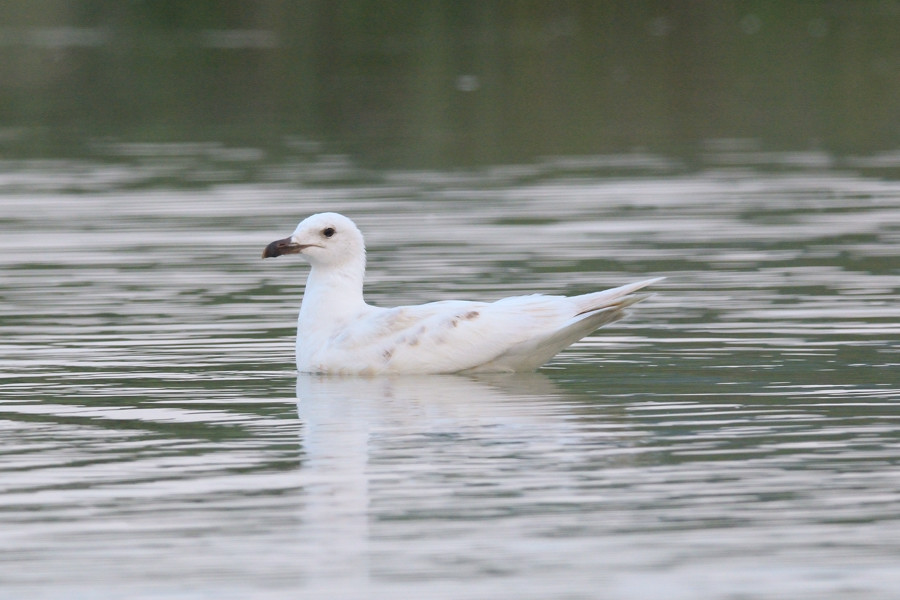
(339, 333)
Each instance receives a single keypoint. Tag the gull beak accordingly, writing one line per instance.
(279, 247)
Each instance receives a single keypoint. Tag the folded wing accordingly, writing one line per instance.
(514, 334)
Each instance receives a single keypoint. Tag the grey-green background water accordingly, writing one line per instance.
(736, 437)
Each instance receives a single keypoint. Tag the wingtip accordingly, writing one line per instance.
(629, 288)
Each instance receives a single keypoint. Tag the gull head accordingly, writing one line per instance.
(326, 239)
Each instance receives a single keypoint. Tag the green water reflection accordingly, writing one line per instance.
(441, 84)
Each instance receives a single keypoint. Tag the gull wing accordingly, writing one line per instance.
(513, 334)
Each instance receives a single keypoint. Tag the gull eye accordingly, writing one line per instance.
(328, 231)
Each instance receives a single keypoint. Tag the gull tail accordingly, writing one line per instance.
(620, 297)
(594, 311)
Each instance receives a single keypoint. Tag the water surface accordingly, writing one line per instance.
(737, 437)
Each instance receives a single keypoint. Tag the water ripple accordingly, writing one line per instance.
(737, 436)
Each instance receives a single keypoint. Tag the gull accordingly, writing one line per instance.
(339, 333)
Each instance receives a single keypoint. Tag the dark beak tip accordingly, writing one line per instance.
(280, 247)
(273, 249)
(270, 251)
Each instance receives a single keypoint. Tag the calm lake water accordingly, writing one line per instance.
(737, 437)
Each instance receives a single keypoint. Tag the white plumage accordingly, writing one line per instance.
(338, 333)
